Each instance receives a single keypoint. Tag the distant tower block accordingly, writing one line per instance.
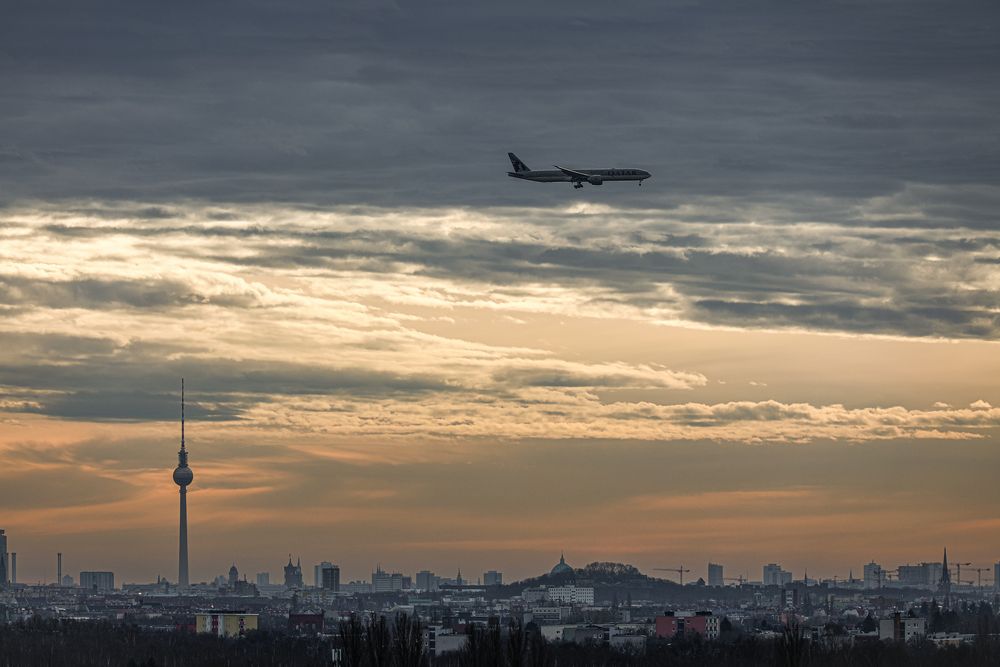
(13, 567)
(182, 477)
(59, 569)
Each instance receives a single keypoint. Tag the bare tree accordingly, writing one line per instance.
(378, 641)
(408, 642)
(352, 639)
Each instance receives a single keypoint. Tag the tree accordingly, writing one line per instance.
(352, 641)
(377, 641)
(408, 642)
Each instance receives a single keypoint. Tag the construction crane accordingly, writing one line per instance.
(740, 579)
(958, 575)
(979, 575)
(679, 570)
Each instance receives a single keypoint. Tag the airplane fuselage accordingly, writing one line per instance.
(557, 176)
(575, 176)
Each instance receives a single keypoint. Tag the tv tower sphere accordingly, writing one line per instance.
(183, 475)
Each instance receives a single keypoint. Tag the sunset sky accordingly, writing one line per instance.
(781, 348)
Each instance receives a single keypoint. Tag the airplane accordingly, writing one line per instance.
(575, 176)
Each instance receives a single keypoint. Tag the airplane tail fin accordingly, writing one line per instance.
(518, 165)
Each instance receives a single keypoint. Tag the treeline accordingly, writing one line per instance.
(64, 643)
(399, 641)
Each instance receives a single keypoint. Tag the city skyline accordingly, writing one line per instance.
(782, 348)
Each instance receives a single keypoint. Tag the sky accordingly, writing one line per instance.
(781, 348)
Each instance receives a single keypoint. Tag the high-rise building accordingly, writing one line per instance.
(492, 578)
(426, 581)
(59, 569)
(329, 577)
(381, 580)
(234, 576)
(996, 577)
(97, 581)
(873, 575)
(183, 476)
(318, 573)
(4, 568)
(913, 575)
(13, 567)
(773, 575)
(263, 579)
(715, 576)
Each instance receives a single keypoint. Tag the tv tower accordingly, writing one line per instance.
(182, 477)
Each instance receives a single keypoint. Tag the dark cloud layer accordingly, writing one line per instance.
(397, 104)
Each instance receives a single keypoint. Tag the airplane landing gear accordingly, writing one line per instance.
(578, 185)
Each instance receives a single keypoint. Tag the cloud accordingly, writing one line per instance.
(325, 104)
(826, 277)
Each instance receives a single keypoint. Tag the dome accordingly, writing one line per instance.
(561, 567)
(183, 476)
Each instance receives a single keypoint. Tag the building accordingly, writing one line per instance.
(790, 598)
(234, 576)
(225, 623)
(329, 577)
(873, 575)
(440, 640)
(492, 578)
(381, 581)
(183, 476)
(13, 567)
(715, 577)
(561, 568)
(318, 573)
(263, 579)
(427, 581)
(577, 595)
(902, 629)
(533, 595)
(550, 615)
(384, 582)
(702, 623)
(933, 574)
(293, 574)
(773, 575)
(4, 560)
(306, 624)
(97, 581)
(354, 587)
(914, 575)
(996, 577)
(586, 634)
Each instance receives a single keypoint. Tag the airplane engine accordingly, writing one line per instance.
(595, 180)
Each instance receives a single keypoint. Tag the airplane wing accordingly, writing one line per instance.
(572, 174)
